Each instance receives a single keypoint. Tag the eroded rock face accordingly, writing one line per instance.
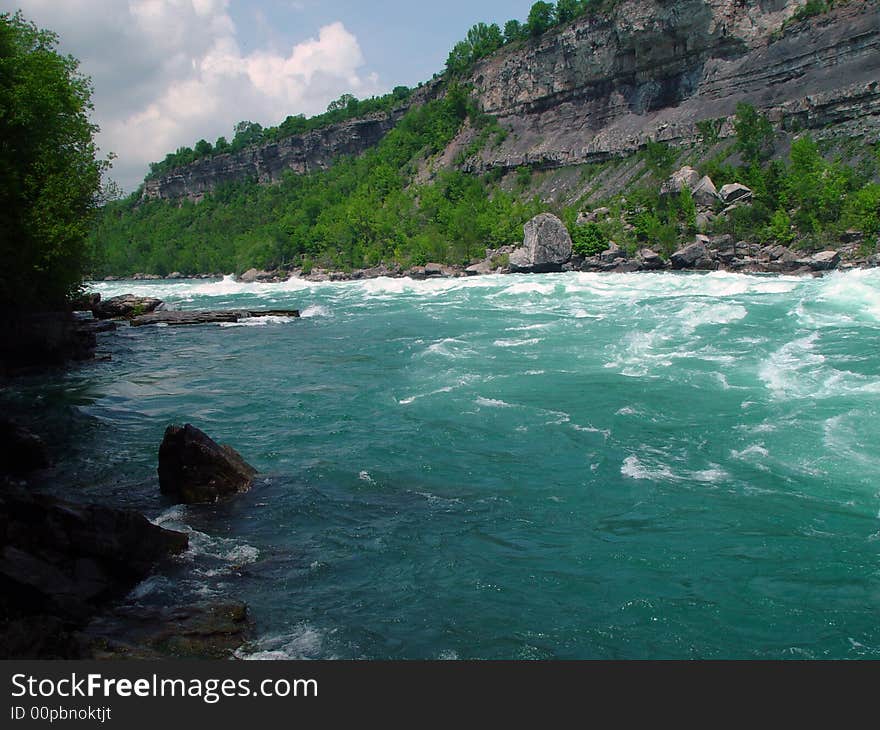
(654, 69)
(193, 468)
(315, 150)
(546, 246)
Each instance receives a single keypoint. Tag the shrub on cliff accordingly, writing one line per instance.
(49, 175)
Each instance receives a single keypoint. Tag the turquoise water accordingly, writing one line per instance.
(550, 466)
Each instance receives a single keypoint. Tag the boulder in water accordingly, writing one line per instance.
(195, 469)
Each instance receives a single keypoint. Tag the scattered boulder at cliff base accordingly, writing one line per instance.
(125, 306)
(195, 469)
(684, 179)
(734, 193)
(546, 246)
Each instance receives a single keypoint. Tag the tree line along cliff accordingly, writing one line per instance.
(591, 112)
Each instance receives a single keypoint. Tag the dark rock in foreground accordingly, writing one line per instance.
(21, 451)
(175, 317)
(38, 340)
(195, 469)
(124, 306)
(61, 561)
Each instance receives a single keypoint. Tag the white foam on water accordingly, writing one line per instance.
(634, 468)
(712, 475)
(447, 655)
(304, 642)
(753, 454)
(259, 321)
(364, 476)
(492, 403)
(315, 310)
(517, 343)
(459, 383)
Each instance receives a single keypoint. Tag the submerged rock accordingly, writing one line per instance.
(195, 469)
(546, 247)
(125, 306)
(205, 630)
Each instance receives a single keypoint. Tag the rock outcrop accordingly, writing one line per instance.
(546, 246)
(603, 85)
(315, 150)
(194, 469)
(125, 306)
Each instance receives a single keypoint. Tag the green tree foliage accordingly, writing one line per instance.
(588, 239)
(513, 31)
(481, 40)
(359, 212)
(542, 17)
(659, 158)
(49, 176)
(754, 134)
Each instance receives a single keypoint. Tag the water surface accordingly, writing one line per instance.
(548, 466)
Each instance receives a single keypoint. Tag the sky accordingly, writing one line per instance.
(167, 73)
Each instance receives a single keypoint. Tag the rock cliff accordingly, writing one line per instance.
(600, 87)
(302, 153)
(654, 69)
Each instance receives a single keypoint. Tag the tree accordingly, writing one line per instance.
(568, 10)
(754, 134)
(246, 133)
(50, 179)
(542, 17)
(484, 39)
(341, 103)
(203, 148)
(513, 31)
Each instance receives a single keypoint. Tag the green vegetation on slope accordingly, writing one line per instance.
(804, 200)
(359, 212)
(49, 177)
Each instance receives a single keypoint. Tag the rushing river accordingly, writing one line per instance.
(550, 466)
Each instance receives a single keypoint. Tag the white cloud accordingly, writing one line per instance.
(168, 72)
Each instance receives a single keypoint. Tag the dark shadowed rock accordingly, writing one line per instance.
(194, 469)
(20, 450)
(125, 306)
(63, 559)
(546, 247)
(85, 302)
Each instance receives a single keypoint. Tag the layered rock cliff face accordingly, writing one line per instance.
(654, 69)
(601, 87)
(315, 150)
